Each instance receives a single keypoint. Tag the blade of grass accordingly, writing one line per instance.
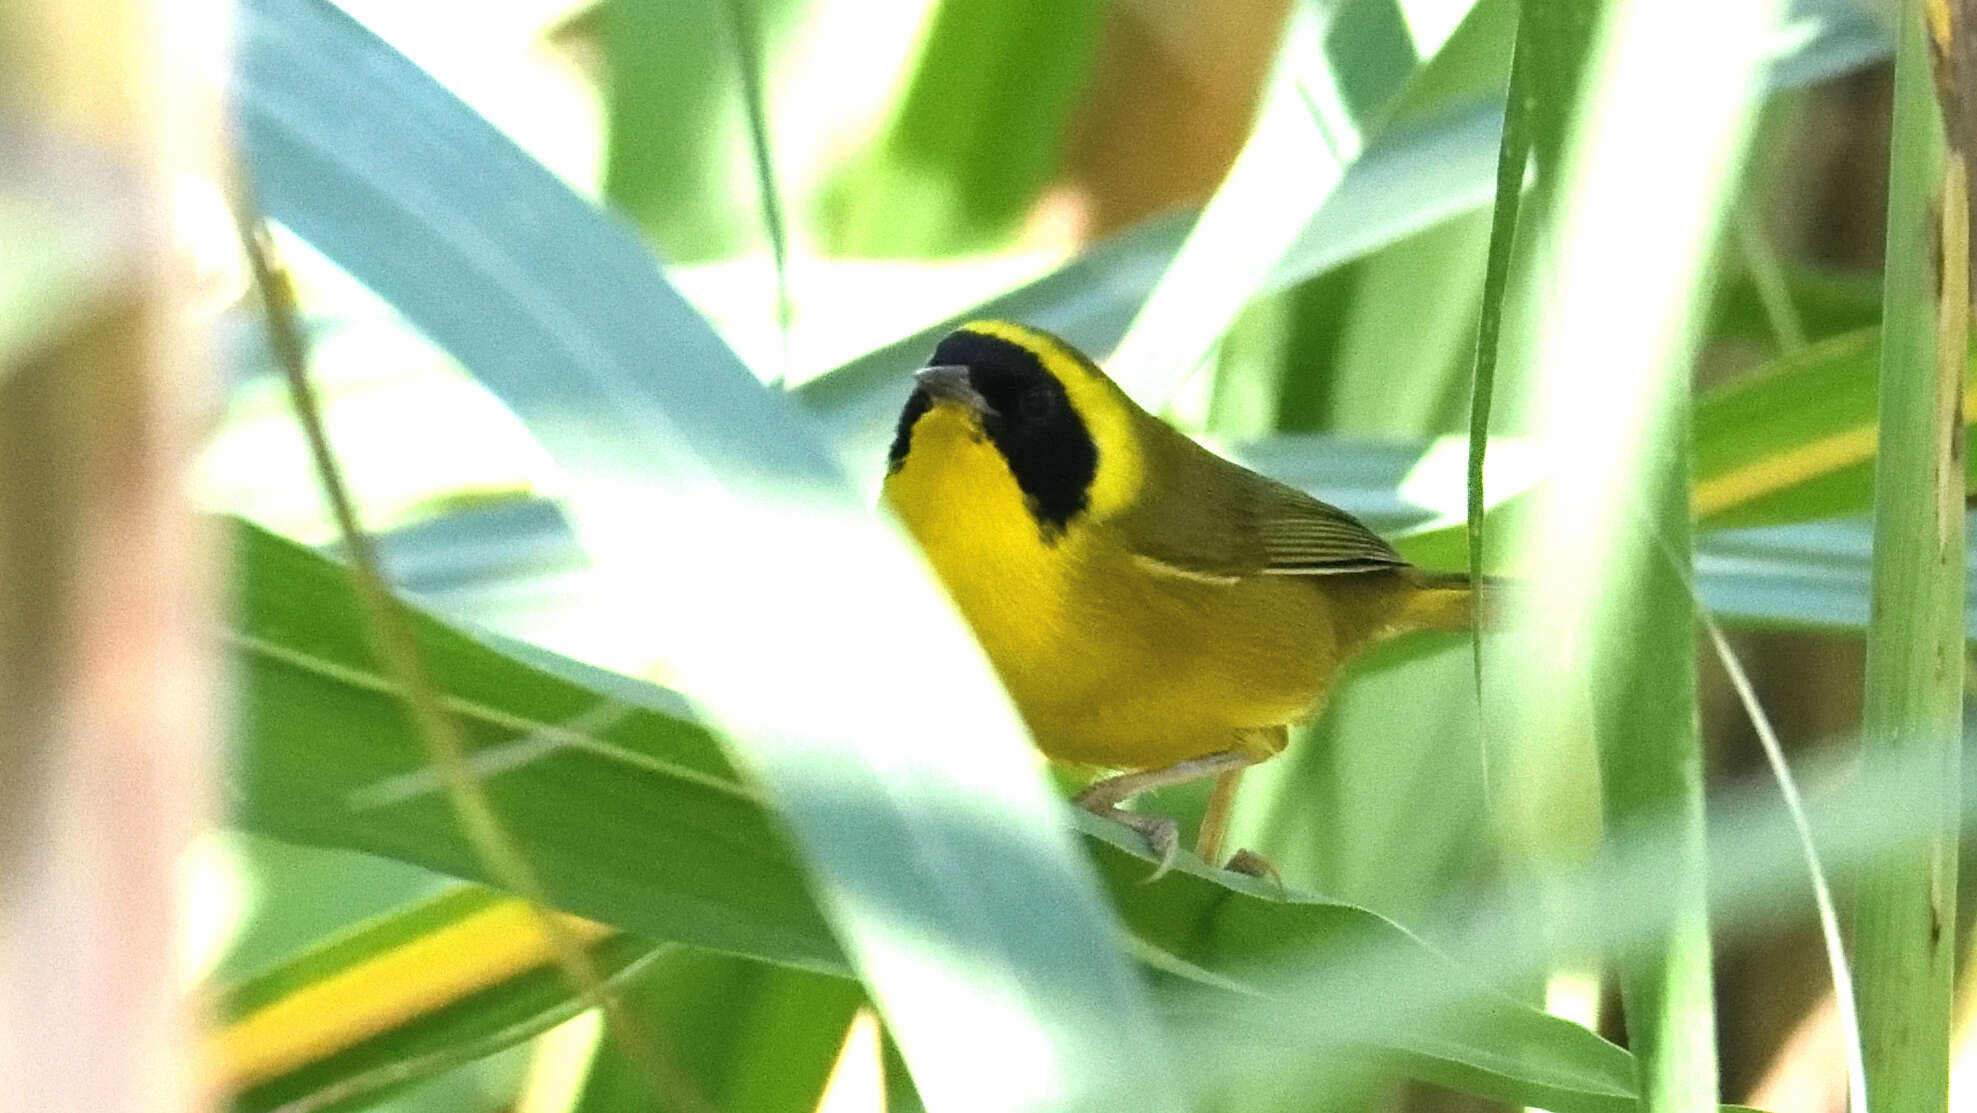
(745, 32)
(1550, 812)
(1822, 891)
(1308, 1003)
(1791, 441)
(1767, 276)
(1513, 161)
(643, 837)
(1904, 924)
(391, 638)
(399, 998)
(1651, 768)
(1621, 293)
(720, 519)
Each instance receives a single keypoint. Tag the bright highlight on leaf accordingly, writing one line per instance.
(830, 811)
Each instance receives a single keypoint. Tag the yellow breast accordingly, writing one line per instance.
(1111, 660)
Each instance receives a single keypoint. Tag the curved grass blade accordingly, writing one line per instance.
(637, 826)
(1512, 162)
(691, 483)
(1795, 439)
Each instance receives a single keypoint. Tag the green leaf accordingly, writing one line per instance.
(1790, 441)
(399, 999)
(1473, 1038)
(1906, 905)
(1409, 178)
(1793, 440)
(331, 760)
(325, 758)
(602, 806)
(690, 482)
(748, 1037)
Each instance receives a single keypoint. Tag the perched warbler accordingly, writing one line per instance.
(1151, 607)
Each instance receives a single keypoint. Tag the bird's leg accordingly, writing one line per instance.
(1104, 797)
(1215, 825)
(1215, 817)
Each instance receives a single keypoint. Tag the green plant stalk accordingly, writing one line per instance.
(1512, 160)
(1904, 924)
(1650, 757)
(1622, 293)
(746, 32)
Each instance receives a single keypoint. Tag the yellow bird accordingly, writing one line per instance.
(1150, 606)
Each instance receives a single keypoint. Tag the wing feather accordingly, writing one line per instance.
(1302, 536)
(1217, 521)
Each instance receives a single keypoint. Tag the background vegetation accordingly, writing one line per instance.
(609, 309)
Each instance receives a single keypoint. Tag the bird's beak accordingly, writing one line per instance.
(949, 383)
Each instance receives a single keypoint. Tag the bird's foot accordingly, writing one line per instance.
(1252, 864)
(1162, 835)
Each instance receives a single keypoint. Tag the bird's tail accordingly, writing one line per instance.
(1449, 601)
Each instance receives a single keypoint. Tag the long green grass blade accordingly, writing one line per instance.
(634, 823)
(745, 33)
(330, 761)
(1512, 162)
(1822, 894)
(1793, 440)
(399, 999)
(1610, 537)
(945, 869)
(1905, 918)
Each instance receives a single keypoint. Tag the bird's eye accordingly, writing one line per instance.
(1038, 404)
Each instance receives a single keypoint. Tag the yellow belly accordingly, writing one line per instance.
(1111, 662)
(1144, 669)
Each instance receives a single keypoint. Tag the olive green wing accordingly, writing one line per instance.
(1302, 536)
(1203, 517)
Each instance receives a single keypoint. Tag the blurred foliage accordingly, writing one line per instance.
(975, 135)
(917, 159)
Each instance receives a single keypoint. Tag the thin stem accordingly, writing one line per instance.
(397, 649)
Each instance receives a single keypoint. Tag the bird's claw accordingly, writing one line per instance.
(1162, 835)
(1252, 864)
